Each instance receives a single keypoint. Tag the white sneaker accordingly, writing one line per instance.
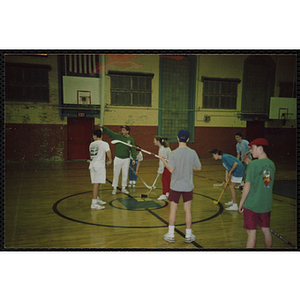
(114, 191)
(97, 206)
(101, 202)
(169, 238)
(191, 238)
(162, 197)
(229, 203)
(232, 208)
(125, 191)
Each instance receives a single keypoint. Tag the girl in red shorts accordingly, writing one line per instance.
(164, 151)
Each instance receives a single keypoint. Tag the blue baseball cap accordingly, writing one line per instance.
(183, 134)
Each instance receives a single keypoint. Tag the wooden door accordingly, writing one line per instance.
(79, 134)
(255, 130)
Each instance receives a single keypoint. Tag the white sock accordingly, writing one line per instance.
(171, 230)
(188, 232)
(234, 204)
(94, 201)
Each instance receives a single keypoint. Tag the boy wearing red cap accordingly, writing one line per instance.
(256, 201)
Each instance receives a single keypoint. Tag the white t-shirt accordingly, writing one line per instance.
(98, 151)
(139, 157)
(164, 152)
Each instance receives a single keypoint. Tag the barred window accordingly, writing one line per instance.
(26, 82)
(220, 93)
(130, 89)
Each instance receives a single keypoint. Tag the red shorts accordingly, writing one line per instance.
(175, 196)
(252, 219)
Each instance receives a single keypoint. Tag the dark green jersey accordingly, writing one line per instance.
(121, 150)
(260, 174)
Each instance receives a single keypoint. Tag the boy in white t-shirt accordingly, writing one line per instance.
(98, 152)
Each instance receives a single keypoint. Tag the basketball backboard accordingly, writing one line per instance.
(283, 108)
(81, 90)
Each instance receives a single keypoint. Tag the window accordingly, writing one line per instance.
(219, 93)
(130, 89)
(26, 82)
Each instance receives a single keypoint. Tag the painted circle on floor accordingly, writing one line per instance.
(120, 202)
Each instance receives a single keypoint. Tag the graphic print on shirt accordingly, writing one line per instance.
(93, 151)
(267, 177)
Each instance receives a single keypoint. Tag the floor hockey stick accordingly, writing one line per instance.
(282, 238)
(145, 151)
(147, 195)
(146, 185)
(223, 190)
(219, 184)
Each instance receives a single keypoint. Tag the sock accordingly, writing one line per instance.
(94, 201)
(171, 230)
(234, 204)
(188, 232)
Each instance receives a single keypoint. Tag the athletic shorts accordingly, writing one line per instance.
(236, 179)
(252, 219)
(98, 175)
(175, 196)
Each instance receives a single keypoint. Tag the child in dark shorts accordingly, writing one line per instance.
(256, 201)
(182, 162)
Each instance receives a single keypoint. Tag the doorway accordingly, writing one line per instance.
(255, 130)
(79, 134)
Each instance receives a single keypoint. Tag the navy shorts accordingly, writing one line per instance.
(175, 196)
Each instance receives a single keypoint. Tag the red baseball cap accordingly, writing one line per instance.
(260, 141)
(126, 127)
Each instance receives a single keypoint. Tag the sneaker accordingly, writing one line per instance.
(125, 191)
(169, 238)
(114, 191)
(229, 203)
(97, 206)
(232, 208)
(101, 202)
(162, 197)
(189, 239)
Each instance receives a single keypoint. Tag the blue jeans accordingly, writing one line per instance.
(131, 174)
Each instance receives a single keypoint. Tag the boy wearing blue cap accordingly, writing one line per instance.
(181, 164)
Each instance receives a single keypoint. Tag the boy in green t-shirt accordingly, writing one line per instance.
(256, 201)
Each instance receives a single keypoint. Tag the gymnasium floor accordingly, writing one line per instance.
(47, 206)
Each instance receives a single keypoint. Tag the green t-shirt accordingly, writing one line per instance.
(121, 150)
(260, 174)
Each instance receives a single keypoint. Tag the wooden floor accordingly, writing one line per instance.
(47, 205)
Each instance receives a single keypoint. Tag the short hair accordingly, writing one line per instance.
(97, 132)
(265, 148)
(239, 134)
(216, 151)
